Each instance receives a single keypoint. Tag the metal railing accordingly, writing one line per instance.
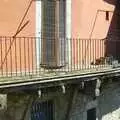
(21, 56)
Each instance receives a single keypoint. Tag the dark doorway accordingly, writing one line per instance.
(42, 110)
(91, 114)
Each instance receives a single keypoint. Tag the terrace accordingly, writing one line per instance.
(26, 59)
(52, 56)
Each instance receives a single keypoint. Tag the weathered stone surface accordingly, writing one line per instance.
(107, 104)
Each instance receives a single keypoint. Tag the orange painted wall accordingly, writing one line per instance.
(11, 13)
(83, 26)
(89, 22)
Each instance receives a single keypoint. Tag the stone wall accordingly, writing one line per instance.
(107, 104)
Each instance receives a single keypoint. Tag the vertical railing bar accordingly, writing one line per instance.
(32, 53)
(71, 44)
(11, 64)
(25, 55)
(90, 54)
(100, 50)
(99, 55)
(0, 52)
(77, 57)
(42, 52)
(28, 56)
(95, 50)
(74, 53)
(1, 56)
(67, 54)
(54, 51)
(70, 57)
(51, 44)
(80, 55)
(71, 41)
(39, 39)
(88, 58)
(82, 62)
(103, 49)
(61, 57)
(85, 54)
(35, 57)
(60, 54)
(15, 58)
(64, 61)
(6, 57)
(20, 56)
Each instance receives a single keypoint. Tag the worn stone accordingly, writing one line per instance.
(107, 104)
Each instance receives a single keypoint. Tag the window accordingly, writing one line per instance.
(53, 33)
(91, 114)
(42, 110)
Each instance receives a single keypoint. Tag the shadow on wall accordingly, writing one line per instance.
(112, 2)
(110, 102)
(113, 42)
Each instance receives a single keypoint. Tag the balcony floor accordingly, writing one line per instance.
(21, 57)
(47, 76)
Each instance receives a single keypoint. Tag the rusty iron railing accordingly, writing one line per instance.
(22, 56)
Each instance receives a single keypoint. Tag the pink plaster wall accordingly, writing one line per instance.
(11, 13)
(89, 22)
(19, 57)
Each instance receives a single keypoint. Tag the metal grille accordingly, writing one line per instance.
(53, 31)
(42, 111)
